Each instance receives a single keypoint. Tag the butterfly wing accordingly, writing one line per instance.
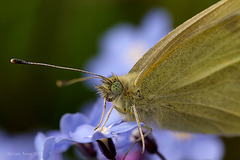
(194, 72)
(164, 44)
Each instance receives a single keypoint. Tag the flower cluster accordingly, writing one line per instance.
(79, 130)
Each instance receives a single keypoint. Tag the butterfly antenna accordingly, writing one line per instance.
(19, 61)
(61, 83)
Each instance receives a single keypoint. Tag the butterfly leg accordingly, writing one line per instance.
(109, 112)
(139, 127)
(104, 108)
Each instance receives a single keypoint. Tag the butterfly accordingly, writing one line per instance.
(189, 81)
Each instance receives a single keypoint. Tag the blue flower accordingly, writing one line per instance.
(78, 128)
(47, 147)
(17, 146)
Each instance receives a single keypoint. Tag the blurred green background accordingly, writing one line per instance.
(64, 33)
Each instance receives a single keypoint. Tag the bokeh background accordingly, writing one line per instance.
(64, 33)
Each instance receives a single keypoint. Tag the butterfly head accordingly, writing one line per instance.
(111, 88)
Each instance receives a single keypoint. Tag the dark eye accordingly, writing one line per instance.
(116, 88)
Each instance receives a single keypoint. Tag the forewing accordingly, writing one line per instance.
(197, 73)
(172, 40)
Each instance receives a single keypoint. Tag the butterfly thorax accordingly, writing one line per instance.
(122, 91)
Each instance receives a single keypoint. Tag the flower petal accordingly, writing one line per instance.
(69, 122)
(83, 133)
(124, 127)
(48, 146)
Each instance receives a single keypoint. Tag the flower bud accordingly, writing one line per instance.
(107, 147)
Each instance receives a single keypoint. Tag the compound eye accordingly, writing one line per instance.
(116, 88)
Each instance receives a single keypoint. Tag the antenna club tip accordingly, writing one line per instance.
(13, 60)
(59, 83)
(17, 61)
